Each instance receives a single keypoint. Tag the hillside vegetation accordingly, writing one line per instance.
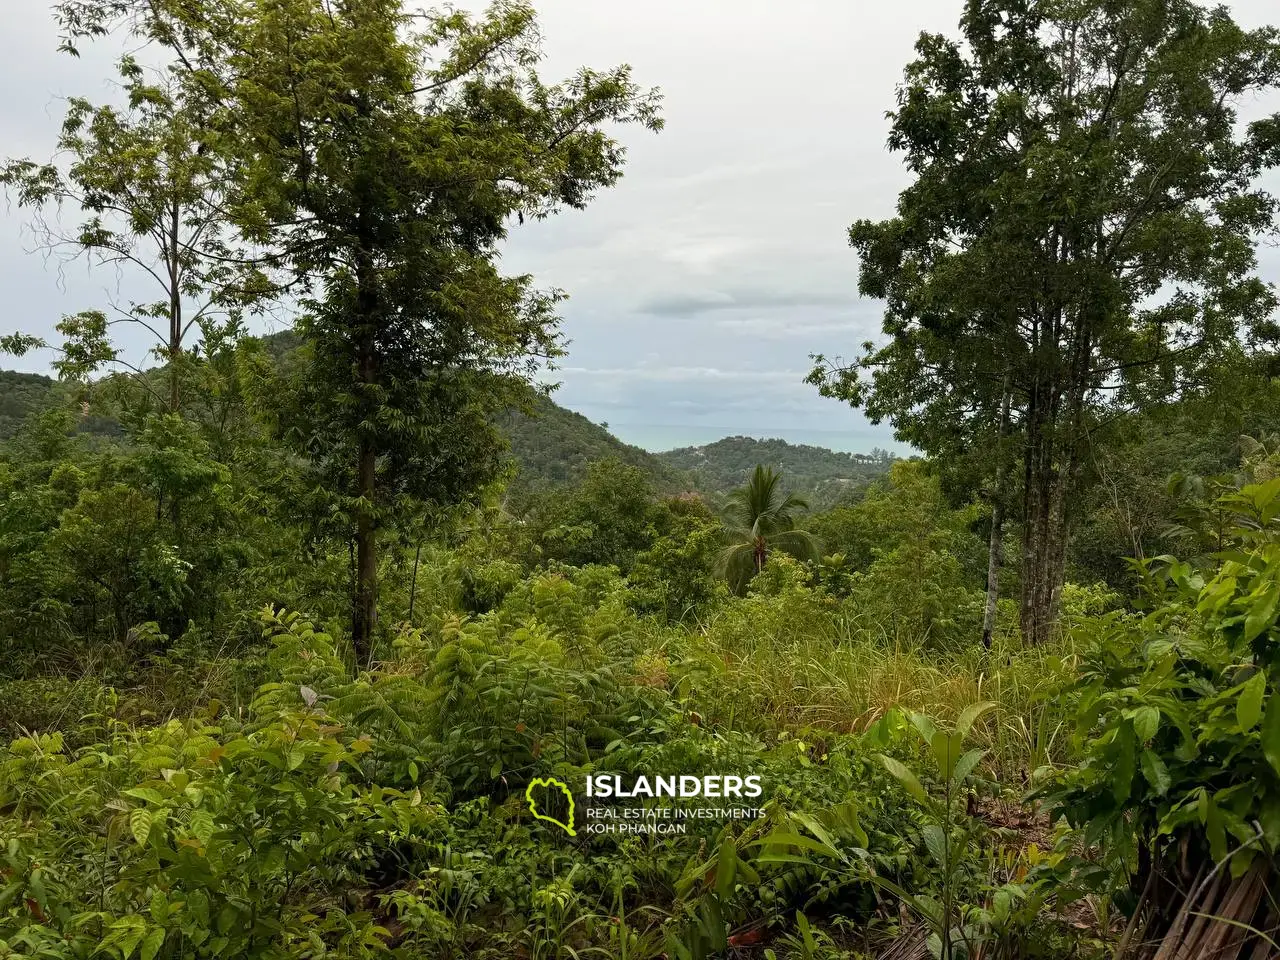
(822, 476)
(297, 667)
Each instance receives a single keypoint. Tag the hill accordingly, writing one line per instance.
(824, 477)
(552, 446)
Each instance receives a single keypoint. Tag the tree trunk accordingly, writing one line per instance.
(365, 611)
(364, 614)
(995, 548)
(175, 306)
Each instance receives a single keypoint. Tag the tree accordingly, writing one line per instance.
(1078, 242)
(762, 519)
(606, 519)
(151, 194)
(381, 153)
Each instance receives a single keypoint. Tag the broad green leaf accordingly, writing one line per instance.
(946, 751)
(1146, 721)
(970, 714)
(906, 778)
(785, 839)
(140, 825)
(1249, 705)
(726, 867)
(152, 944)
(814, 827)
(1155, 772)
(966, 764)
(202, 826)
(935, 841)
(159, 907)
(926, 726)
(148, 794)
(1262, 612)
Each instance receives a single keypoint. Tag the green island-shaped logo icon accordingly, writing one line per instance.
(550, 783)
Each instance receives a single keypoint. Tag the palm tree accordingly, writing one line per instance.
(762, 519)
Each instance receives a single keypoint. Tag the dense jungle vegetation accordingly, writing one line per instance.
(293, 630)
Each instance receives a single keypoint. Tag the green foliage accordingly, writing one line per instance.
(823, 477)
(233, 840)
(1178, 711)
(1078, 241)
(554, 447)
(762, 520)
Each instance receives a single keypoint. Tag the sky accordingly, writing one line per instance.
(701, 283)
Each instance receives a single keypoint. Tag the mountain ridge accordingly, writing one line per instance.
(553, 445)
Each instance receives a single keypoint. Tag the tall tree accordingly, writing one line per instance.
(149, 196)
(763, 518)
(1081, 228)
(382, 152)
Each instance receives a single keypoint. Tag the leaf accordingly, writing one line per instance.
(1262, 613)
(726, 868)
(905, 777)
(140, 825)
(946, 751)
(1146, 721)
(925, 726)
(147, 794)
(1271, 732)
(152, 944)
(970, 714)
(1249, 706)
(1155, 772)
(202, 826)
(966, 764)
(935, 841)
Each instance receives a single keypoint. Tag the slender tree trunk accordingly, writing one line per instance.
(995, 548)
(364, 614)
(175, 306)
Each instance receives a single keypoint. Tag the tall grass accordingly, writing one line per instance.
(800, 666)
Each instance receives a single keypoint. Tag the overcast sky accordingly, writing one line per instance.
(702, 282)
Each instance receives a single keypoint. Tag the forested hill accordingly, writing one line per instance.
(821, 475)
(551, 447)
(554, 446)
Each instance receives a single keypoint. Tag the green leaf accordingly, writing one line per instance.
(1249, 706)
(140, 825)
(946, 751)
(906, 778)
(152, 944)
(1262, 612)
(148, 794)
(1271, 732)
(726, 868)
(970, 714)
(935, 841)
(1146, 721)
(1155, 772)
(966, 764)
(924, 725)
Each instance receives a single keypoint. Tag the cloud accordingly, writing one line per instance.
(685, 374)
(693, 304)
